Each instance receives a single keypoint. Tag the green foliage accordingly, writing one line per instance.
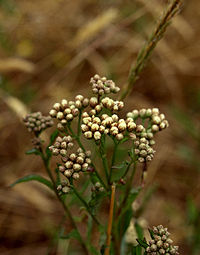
(33, 177)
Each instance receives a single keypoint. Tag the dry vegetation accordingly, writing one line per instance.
(51, 48)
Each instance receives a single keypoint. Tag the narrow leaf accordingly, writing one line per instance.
(33, 151)
(33, 177)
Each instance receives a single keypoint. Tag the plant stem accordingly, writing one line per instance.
(46, 164)
(149, 46)
(110, 220)
(127, 169)
(104, 157)
(86, 206)
(113, 159)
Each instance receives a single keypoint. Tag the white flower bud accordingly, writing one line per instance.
(68, 173)
(75, 176)
(148, 112)
(132, 136)
(75, 112)
(65, 189)
(106, 131)
(61, 169)
(97, 135)
(79, 97)
(94, 127)
(88, 134)
(142, 113)
(119, 136)
(93, 101)
(60, 127)
(162, 125)
(77, 167)
(131, 126)
(85, 166)
(56, 106)
(143, 153)
(155, 111)
(85, 115)
(64, 103)
(156, 119)
(69, 117)
(69, 164)
(93, 112)
(63, 152)
(141, 160)
(114, 131)
(84, 128)
(135, 113)
(53, 113)
(80, 160)
(88, 161)
(67, 111)
(78, 104)
(129, 115)
(72, 156)
(85, 102)
(115, 117)
(60, 115)
(155, 128)
(139, 128)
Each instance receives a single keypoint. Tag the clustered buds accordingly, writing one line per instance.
(63, 188)
(101, 86)
(75, 163)
(143, 150)
(98, 187)
(36, 122)
(157, 119)
(112, 105)
(61, 145)
(66, 111)
(161, 243)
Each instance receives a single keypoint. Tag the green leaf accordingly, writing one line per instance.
(136, 250)
(139, 231)
(33, 177)
(142, 243)
(151, 233)
(33, 151)
(73, 234)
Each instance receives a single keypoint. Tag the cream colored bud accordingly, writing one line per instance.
(85, 166)
(71, 103)
(162, 116)
(65, 189)
(88, 134)
(115, 108)
(85, 115)
(67, 111)
(142, 113)
(143, 140)
(88, 153)
(60, 127)
(135, 113)
(80, 160)
(115, 117)
(53, 113)
(143, 153)
(84, 128)
(69, 164)
(68, 173)
(79, 97)
(63, 152)
(131, 126)
(78, 104)
(141, 160)
(55, 151)
(148, 112)
(97, 120)
(79, 150)
(137, 151)
(75, 112)
(63, 121)
(120, 105)
(64, 103)
(60, 115)
(129, 115)
(72, 156)
(96, 77)
(56, 106)
(75, 176)
(152, 142)
(150, 135)
(162, 125)
(119, 136)
(114, 131)
(106, 131)
(93, 112)
(156, 119)
(142, 146)
(69, 117)
(155, 111)
(95, 90)
(85, 102)
(93, 101)
(70, 145)
(108, 120)
(155, 128)
(77, 167)
(86, 120)
(139, 128)
(88, 161)
(132, 136)
(97, 135)
(104, 116)
(63, 145)
(101, 128)
(94, 127)
(61, 169)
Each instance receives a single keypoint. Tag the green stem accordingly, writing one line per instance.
(86, 206)
(79, 124)
(113, 159)
(46, 164)
(104, 157)
(127, 169)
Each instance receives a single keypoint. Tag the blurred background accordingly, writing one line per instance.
(49, 50)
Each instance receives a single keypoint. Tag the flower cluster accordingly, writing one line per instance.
(157, 120)
(63, 188)
(75, 163)
(161, 243)
(112, 105)
(36, 122)
(143, 150)
(101, 86)
(66, 111)
(98, 187)
(61, 145)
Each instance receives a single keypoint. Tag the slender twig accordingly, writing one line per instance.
(113, 159)
(110, 220)
(104, 157)
(86, 206)
(147, 50)
(46, 164)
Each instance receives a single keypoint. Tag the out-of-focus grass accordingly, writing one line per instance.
(51, 48)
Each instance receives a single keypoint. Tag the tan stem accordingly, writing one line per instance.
(110, 220)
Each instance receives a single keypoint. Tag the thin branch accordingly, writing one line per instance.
(146, 51)
(110, 220)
